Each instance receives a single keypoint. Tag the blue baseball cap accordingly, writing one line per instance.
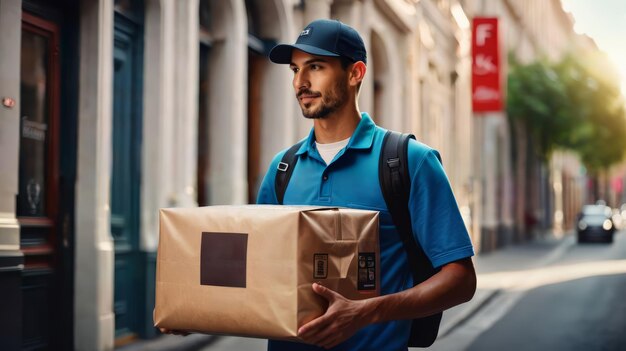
(324, 37)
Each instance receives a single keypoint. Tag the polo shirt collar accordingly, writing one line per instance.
(362, 137)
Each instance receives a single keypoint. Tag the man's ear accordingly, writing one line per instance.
(357, 73)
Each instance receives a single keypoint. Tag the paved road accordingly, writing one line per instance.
(237, 344)
(578, 302)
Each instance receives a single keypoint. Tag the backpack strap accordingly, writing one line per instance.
(395, 184)
(284, 171)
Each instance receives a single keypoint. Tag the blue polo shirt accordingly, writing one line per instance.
(351, 180)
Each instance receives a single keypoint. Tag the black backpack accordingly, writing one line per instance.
(393, 174)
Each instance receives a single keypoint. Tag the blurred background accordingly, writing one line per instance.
(114, 109)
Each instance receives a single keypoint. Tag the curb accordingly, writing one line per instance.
(483, 297)
(480, 300)
(165, 342)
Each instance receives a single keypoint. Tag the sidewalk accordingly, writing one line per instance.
(518, 257)
(191, 342)
(537, 253)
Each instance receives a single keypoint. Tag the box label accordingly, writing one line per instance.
(367, 271)
(320, 266)
(223, 259)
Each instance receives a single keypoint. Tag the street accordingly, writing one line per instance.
(576, 301)
(547, 295)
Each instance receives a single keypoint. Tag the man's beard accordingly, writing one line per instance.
(331, 102)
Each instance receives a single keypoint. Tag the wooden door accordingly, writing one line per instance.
(38, 189)
(126, 177)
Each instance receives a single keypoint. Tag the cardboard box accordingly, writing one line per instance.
(248, 270)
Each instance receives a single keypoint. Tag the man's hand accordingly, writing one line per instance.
(174, 332)
(453, 285)
(342, 319)
(169, 331)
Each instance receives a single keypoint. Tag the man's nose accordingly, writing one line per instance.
(301, 81)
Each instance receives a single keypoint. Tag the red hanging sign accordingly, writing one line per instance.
(486, 85)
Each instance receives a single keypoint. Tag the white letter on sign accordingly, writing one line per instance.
(483, 31)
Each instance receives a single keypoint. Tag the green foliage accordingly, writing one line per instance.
(574, 104)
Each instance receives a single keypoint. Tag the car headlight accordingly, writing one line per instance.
(607, 225)
(582, 225)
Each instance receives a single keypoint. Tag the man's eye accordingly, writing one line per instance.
(295, 69)
(315, 67)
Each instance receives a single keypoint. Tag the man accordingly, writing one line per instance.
(338, 166)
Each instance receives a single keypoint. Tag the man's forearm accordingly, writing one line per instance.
(453, 285)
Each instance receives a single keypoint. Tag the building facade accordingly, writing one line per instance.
(521, 197)
(113, 109)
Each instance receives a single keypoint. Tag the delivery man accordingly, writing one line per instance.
(338, 166)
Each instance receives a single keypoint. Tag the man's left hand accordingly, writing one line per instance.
(342, 319)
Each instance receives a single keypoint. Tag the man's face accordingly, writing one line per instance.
(320, 84)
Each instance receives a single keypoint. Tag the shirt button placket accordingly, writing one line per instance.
(325, 189)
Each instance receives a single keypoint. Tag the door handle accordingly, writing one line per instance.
(65, 230)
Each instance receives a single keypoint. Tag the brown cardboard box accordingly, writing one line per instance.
(248, 270)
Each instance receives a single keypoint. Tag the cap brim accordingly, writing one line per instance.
(282, 53)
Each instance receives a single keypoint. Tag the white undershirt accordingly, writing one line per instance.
(329, 151)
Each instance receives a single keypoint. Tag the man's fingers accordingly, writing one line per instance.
(314, 327)
(322, 339)
(173, 332)
(325, 292)
(319, 323)
(321, 331)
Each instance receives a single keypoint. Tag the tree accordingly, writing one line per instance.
(592, 87)
(536, 98)
(574, 104)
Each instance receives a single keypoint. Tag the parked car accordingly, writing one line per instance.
(618, 219)
(595, 224)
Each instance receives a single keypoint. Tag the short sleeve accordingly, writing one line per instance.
(267, 193)
(435, 216)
